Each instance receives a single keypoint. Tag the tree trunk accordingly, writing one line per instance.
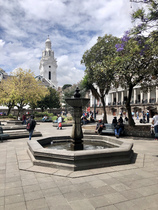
(9, 109)
(20, 108)
(128, 107)
(104, 110)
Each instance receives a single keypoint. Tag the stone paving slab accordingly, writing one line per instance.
(24, 186)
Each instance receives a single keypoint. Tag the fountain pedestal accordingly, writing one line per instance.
(77, 103)
(77, 133)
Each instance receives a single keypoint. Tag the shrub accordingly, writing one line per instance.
(9, 116)
(41, 114)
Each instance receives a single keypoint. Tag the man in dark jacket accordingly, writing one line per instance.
(114, 121)
(119, 128)
(31, 123)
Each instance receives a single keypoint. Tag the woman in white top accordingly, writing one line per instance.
(155, 123)
(59, 120)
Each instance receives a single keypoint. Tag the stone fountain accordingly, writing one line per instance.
(77, 103)
(117, 153)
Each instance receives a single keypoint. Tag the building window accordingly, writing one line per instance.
(49, 53)
(49, 75)
(49, 66)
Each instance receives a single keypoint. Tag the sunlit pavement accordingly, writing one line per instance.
(133, 186)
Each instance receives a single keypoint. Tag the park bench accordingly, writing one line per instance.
(108, 129)
(3, 136)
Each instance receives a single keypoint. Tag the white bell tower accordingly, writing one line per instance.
(48, 64)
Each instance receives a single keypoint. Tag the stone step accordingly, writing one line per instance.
(21, 134)
(13, 127)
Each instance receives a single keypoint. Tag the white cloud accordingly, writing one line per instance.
(73, 27)
(67, 72)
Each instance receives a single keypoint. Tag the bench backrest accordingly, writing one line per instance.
(109, 126)
(1, 130)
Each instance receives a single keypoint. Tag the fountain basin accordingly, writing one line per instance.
(80, 159)
(77, 102)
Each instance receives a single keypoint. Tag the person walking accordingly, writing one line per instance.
(137, 114)
(147, 116)
(155, 123)
(24, 119)
(59, 120)
(144, 120)
(31, 123)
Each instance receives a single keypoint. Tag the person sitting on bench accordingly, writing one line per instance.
(99, 127)
(119, 128)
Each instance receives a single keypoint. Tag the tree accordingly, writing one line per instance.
(66, 86)
(138, 54)
(22, 89)
(51, 100)
(148, 21)
(69, 92)
(99, 68)
(135, 64)
(6, 97)
(147, 18)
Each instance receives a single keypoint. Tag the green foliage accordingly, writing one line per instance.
(54, 118)
(20, 89)
(8, 116)
(69, 91)
(41, 114)
(12, 116)
(99, 67)
(68, 119)
(148, 18)
(51, 100)
(66, 86)
(135, 64)
(98, 61)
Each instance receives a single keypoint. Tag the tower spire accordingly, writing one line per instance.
(48, 44)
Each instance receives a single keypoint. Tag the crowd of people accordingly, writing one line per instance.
(87, 117)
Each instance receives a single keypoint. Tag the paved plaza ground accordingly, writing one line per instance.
(127, 187)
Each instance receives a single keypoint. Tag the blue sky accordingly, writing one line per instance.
(73, 27)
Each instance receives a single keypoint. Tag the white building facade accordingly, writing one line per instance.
(115, 100)
(48, 65)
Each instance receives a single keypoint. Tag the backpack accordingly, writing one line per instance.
(31, 125)
(28, 126)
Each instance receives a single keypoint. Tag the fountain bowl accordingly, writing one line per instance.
(80, 159)
(77, 102)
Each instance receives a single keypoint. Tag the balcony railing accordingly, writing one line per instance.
(152, 100)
